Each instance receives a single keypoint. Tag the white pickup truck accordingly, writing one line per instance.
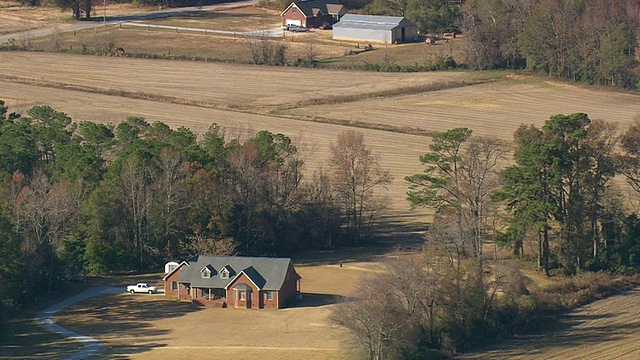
(141, 288)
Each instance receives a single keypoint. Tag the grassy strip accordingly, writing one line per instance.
(400, 91)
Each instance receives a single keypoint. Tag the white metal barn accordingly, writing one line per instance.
(373, 28)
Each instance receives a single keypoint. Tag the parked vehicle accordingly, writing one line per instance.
(141, 288)
(294, 28)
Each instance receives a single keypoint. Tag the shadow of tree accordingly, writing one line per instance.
(575, 330)
(113, 318)
(393, 233)
(315, 300)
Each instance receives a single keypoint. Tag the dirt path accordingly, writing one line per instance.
(90, 346)
(605, 329)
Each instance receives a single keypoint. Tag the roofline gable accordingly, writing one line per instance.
(237, 276)
(290, 6)
(174, 270)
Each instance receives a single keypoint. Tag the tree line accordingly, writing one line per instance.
(557, 198)
(95, 198)
(591, 41)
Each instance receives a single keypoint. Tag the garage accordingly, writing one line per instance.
(294, 22)
(373, 28)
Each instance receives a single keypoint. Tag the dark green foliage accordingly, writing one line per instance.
(17, 147)
(558, 188)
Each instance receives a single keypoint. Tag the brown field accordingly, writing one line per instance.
(395, 112)
(246, 18)
(15, 18)
(391, 110)
(153, 327)
(605, 329)
(222, 47)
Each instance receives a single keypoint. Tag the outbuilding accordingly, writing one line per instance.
(374, 28)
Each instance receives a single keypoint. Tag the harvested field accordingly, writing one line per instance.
(213, 88)
(15, 17)
(605, 329)
(151, 326)
(246, 18)
(393, 111)
(496, 108)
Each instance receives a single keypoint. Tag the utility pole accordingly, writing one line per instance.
(104, 13)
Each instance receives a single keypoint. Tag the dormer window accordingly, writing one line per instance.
(207, 272)
(224, 274)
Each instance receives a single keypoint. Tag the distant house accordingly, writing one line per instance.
(313, 14)
(373, 28)
(240, 282)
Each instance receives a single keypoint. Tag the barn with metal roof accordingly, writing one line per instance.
(373, 28)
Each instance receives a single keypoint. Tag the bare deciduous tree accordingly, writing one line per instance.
(356, 175)
(200, 245)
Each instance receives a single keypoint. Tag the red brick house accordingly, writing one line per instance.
(313, 14)
(240, 282)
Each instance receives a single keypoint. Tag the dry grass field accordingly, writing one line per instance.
(394, 111)
(245, 18)
(222, 47)
(605, 329)
(15, 18)
(154, 327)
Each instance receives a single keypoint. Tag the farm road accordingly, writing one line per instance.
(90, 346)
(274, 33)
(117, 19)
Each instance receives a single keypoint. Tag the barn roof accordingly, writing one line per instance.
(372, 22)
(266, 273)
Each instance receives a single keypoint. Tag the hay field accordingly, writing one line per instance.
(606, 329)
(154, 327)
(496, 108)
(390, 109)
(218, 89)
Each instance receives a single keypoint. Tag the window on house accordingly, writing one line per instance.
(294, 10)
(174, 286)
(172, 267)
(224, 274)
(243, 295)
(206, 273)
(269, 295)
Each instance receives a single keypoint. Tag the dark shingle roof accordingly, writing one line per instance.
(311, 8)
(266, 273)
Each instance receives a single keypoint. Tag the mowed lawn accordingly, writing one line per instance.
(154, 327)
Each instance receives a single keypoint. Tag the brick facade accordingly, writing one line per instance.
(241, 292)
